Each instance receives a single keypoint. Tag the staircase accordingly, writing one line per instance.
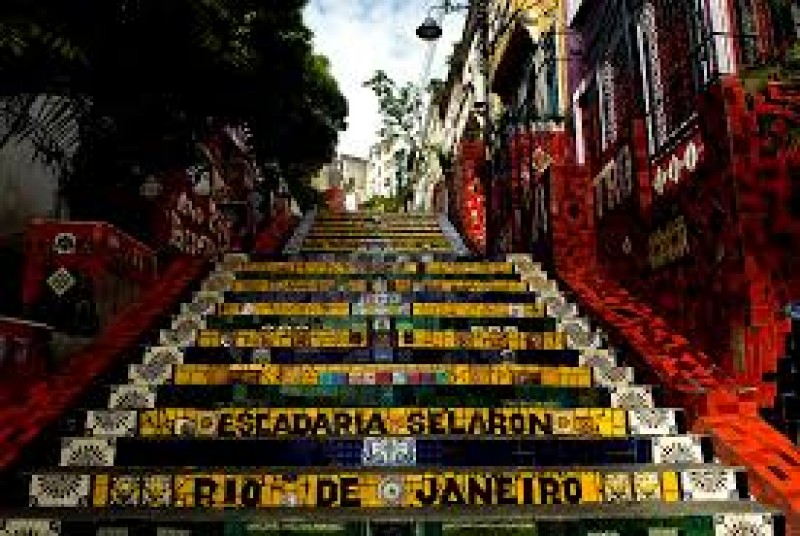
(376, 380)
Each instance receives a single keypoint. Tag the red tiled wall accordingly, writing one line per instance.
(33, 405)
(727, 292)
(470, 200)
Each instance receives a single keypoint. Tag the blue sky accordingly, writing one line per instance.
(361, 36)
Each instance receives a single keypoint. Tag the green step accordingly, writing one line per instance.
(684, 519)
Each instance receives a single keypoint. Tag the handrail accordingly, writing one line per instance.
(26, 323)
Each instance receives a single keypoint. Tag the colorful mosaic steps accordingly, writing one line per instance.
(436, 310)
(331, 356)
(471, 393)
(449, 327)
(395, 285)
(434, 453)
(356, 269)
(321, 338)
(407, 489)
(132, 396)
(559, 520)
(516, 422)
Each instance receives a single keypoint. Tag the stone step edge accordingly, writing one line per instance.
(147, 395)
(743, 510)
(631, 469)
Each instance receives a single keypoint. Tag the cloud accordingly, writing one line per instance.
(361, 36)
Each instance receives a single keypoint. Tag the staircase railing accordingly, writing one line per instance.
(34, 407)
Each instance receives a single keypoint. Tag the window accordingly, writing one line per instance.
(590, 116)
(677, 61)
(608, 101)
(747, 32)
(544, 80)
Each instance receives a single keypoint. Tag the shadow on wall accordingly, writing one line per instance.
(27, 190)
(11, 267)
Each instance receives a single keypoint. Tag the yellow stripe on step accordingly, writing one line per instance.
(360, 285)
(317, 267)
(380, 422)
(403, 489)
(453, 310)
(331, 338)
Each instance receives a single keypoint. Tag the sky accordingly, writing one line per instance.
(361, 36)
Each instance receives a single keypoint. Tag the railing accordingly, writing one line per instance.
(82, 269)
(24, 349)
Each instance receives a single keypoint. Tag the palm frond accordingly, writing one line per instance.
(50, 123)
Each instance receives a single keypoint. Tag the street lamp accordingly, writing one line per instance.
(431, 30)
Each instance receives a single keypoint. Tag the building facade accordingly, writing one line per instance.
(659, 102)
(527, 77)
(651, 140)
(386, 168)
(428, 169)
(348, 173)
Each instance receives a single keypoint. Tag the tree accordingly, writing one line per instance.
(145, 79)
(398, 105)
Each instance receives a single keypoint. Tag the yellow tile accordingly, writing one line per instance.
(590, 488)
(670, 490)
(100, 487)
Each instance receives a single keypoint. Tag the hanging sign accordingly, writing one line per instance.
(678, 165)
(668, 244)
(614, 184)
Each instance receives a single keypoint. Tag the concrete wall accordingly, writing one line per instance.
(27, 188)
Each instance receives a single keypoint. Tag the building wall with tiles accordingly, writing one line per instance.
(689, 178)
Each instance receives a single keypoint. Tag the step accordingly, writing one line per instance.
(256, 447)
(478, 422)
(374, 276)
(473, 311)
(396, 322)
(373, 304)
(567, 357)
(488, 339)
(379, 256)
(130, 396)
(593, 357)
(385, 298)
(388, 373)
(444, 252)
(401, 488)
(325, 239)
(381, 374)
(718, 518)
(395, 285)
(340, 268)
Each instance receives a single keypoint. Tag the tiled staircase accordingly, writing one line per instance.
(377, 381)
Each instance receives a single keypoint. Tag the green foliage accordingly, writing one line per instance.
(792, 60)
(398, 105)
(381, 203)
(156, 75)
